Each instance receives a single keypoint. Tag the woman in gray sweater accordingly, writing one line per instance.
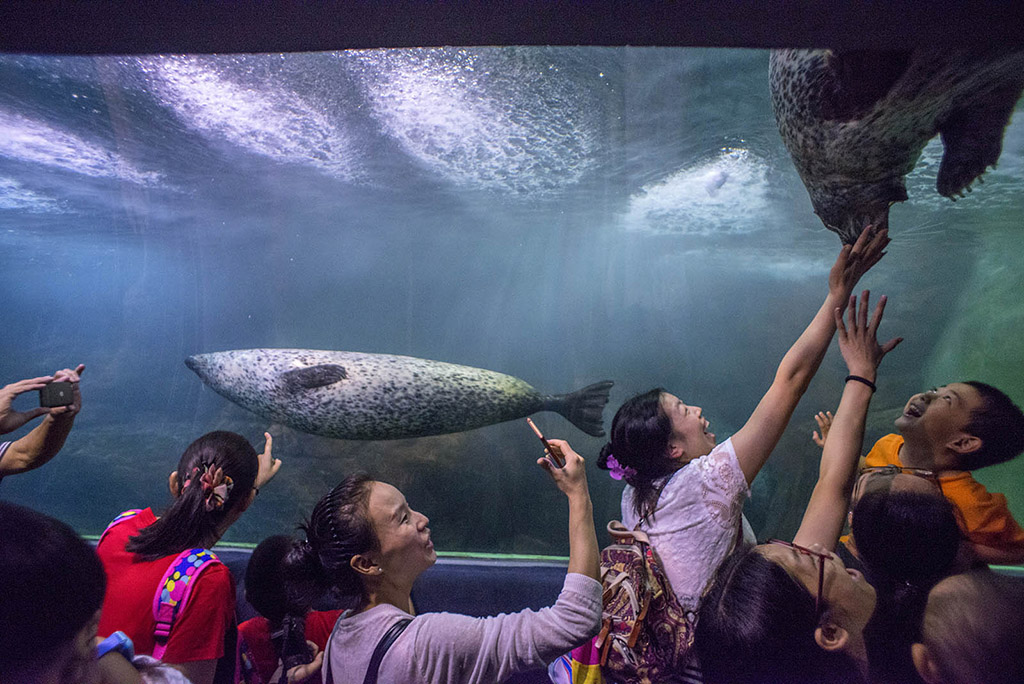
(365, 541)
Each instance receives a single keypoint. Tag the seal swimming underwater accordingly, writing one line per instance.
(855, 123)
(352, 395)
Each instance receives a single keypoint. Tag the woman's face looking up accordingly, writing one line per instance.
(690, 437)
(849, 596)
(404, 538)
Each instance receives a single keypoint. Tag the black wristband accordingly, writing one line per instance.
(860, 379)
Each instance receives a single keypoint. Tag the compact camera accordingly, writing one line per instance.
(293, 647)
(56, 394)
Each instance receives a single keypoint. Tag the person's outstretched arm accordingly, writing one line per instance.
(584, 555)
(11, 420)
(47, 438)
(758, 437)
(830, 500)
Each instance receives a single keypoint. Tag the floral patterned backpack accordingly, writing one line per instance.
(645, 636)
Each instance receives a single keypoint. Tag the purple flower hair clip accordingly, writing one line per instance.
(619, 471)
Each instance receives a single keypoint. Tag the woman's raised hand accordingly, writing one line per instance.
(570, 478)
(855, 260)
(858, 341)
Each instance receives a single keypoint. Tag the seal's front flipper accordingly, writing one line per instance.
(583, 408)
(313, 376)
(973, 138)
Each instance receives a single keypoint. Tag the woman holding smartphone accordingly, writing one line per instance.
(366, 542)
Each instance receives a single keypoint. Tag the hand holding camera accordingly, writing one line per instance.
(62, 396)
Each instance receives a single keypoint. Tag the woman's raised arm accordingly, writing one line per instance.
(758, 437)
(826, 511)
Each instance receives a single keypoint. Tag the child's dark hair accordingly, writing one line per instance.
(999, 424)
(188, 523)
(264, 578)
(53, 585)
(905, 536)
(757, 625)
(639, 440)
(338, 529)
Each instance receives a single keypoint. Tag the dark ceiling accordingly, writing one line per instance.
(144, 26)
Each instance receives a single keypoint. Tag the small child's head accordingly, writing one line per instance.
(973, 630)
(53, 590)
(967, 425)
(264, 578)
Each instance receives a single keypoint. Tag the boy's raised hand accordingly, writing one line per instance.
(824, 421)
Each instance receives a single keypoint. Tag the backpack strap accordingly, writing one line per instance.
(174, 590)
(245, 667)
(382, 647)
(130, 513)
(621, 534)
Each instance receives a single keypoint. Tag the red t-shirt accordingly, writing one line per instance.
(198, 633)
(256, 633)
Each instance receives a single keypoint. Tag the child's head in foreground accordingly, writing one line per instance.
(973, 630)
(53, 590)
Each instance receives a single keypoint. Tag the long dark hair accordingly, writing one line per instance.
(53, 584)
(757, 625)
(187, 523)
(639, 440)
(338, 529)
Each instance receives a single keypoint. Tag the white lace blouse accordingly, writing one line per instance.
(697, 521)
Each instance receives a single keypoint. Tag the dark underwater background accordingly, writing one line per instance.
(563, 215)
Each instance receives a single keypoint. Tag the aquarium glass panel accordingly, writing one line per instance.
(563, 216)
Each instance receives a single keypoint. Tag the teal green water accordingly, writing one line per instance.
(562, 215)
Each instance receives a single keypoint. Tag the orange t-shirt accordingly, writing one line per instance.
(984, 517)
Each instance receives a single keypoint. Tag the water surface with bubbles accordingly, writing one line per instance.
(563, 215)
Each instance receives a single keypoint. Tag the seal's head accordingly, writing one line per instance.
(847, 208)
(199, 364)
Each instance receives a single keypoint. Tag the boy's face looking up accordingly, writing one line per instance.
(940, 416)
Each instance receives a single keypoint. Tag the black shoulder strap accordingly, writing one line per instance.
(382, 647)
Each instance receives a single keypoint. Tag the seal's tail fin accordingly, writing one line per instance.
(583, 408)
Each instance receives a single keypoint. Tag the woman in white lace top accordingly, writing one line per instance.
(687, 492)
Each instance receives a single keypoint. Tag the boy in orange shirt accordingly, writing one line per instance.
(952, 430)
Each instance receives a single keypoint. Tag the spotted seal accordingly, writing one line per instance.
(352, 395)
(855, 123)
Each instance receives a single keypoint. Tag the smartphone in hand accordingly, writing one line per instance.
(552, 454)
(56, 394)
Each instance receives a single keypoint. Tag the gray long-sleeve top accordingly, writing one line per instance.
(446, 648)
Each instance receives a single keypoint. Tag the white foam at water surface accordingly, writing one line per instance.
(217, 99)
(15, 196)
(726, 194)
(35, 141)
(480, 119)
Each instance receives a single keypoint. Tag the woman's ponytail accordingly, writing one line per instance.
(338, 529)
